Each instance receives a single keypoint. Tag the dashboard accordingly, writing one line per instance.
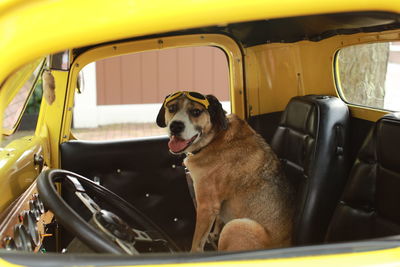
(26, 225)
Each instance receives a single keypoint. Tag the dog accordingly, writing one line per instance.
(236, 175)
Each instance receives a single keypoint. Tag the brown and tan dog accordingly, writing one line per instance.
(236, 175)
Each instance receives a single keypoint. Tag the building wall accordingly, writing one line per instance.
(148, 77)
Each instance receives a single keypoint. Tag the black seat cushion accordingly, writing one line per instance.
(311, 141)
(370, 205)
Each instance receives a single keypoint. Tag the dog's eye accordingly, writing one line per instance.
(172, 108)
(195, 112)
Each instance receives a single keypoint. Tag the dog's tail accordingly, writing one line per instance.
(243, 234)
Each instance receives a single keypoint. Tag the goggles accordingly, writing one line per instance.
(194, 96)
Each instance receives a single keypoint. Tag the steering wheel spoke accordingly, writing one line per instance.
(82, 195)
(88, 202)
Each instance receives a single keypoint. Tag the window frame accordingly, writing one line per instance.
(225, 43)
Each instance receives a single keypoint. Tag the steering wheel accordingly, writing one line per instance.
(108, 233)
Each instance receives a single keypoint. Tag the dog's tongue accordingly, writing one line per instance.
(176, 144)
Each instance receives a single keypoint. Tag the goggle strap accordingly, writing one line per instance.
(173, 96)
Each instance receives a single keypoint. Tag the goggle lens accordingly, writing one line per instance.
(197, 95)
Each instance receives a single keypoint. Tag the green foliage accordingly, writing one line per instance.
(35, 99)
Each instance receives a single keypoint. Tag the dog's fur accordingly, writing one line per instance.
(236, 176)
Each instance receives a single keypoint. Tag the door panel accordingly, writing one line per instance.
(143, 172)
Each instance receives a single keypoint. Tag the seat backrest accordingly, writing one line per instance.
(370, 205)
(311, 141)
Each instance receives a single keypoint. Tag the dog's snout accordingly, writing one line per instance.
(176, 127)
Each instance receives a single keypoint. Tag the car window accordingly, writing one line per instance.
(369, 75)
(27, 124)
(121, 96)
(20, 115)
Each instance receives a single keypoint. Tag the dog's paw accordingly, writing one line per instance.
(196, 249)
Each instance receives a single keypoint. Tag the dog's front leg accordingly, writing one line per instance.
(205, 218)
(216, 230)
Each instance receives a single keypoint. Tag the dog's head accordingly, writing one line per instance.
(192, 120)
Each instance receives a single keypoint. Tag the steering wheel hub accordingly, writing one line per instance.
(113, 225)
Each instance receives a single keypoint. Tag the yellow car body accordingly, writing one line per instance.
(32, 30)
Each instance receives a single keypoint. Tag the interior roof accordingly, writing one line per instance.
(294, 29)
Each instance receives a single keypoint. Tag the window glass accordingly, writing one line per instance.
(369, 75)
(27, 124)
(121, 96)
(23, 82)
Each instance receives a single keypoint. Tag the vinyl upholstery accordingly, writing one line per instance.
(144, 173)
(369, 207)
(311, 141)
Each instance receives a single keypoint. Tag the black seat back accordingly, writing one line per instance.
(370, 205)
(311, 141)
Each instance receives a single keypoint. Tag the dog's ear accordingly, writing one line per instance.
(217, 113)
(161, 117)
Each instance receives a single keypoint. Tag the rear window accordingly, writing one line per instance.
(369, 75)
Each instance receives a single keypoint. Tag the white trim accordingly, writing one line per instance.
(140, 113)
(394, 47)
(111, 114)
(85, 106)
